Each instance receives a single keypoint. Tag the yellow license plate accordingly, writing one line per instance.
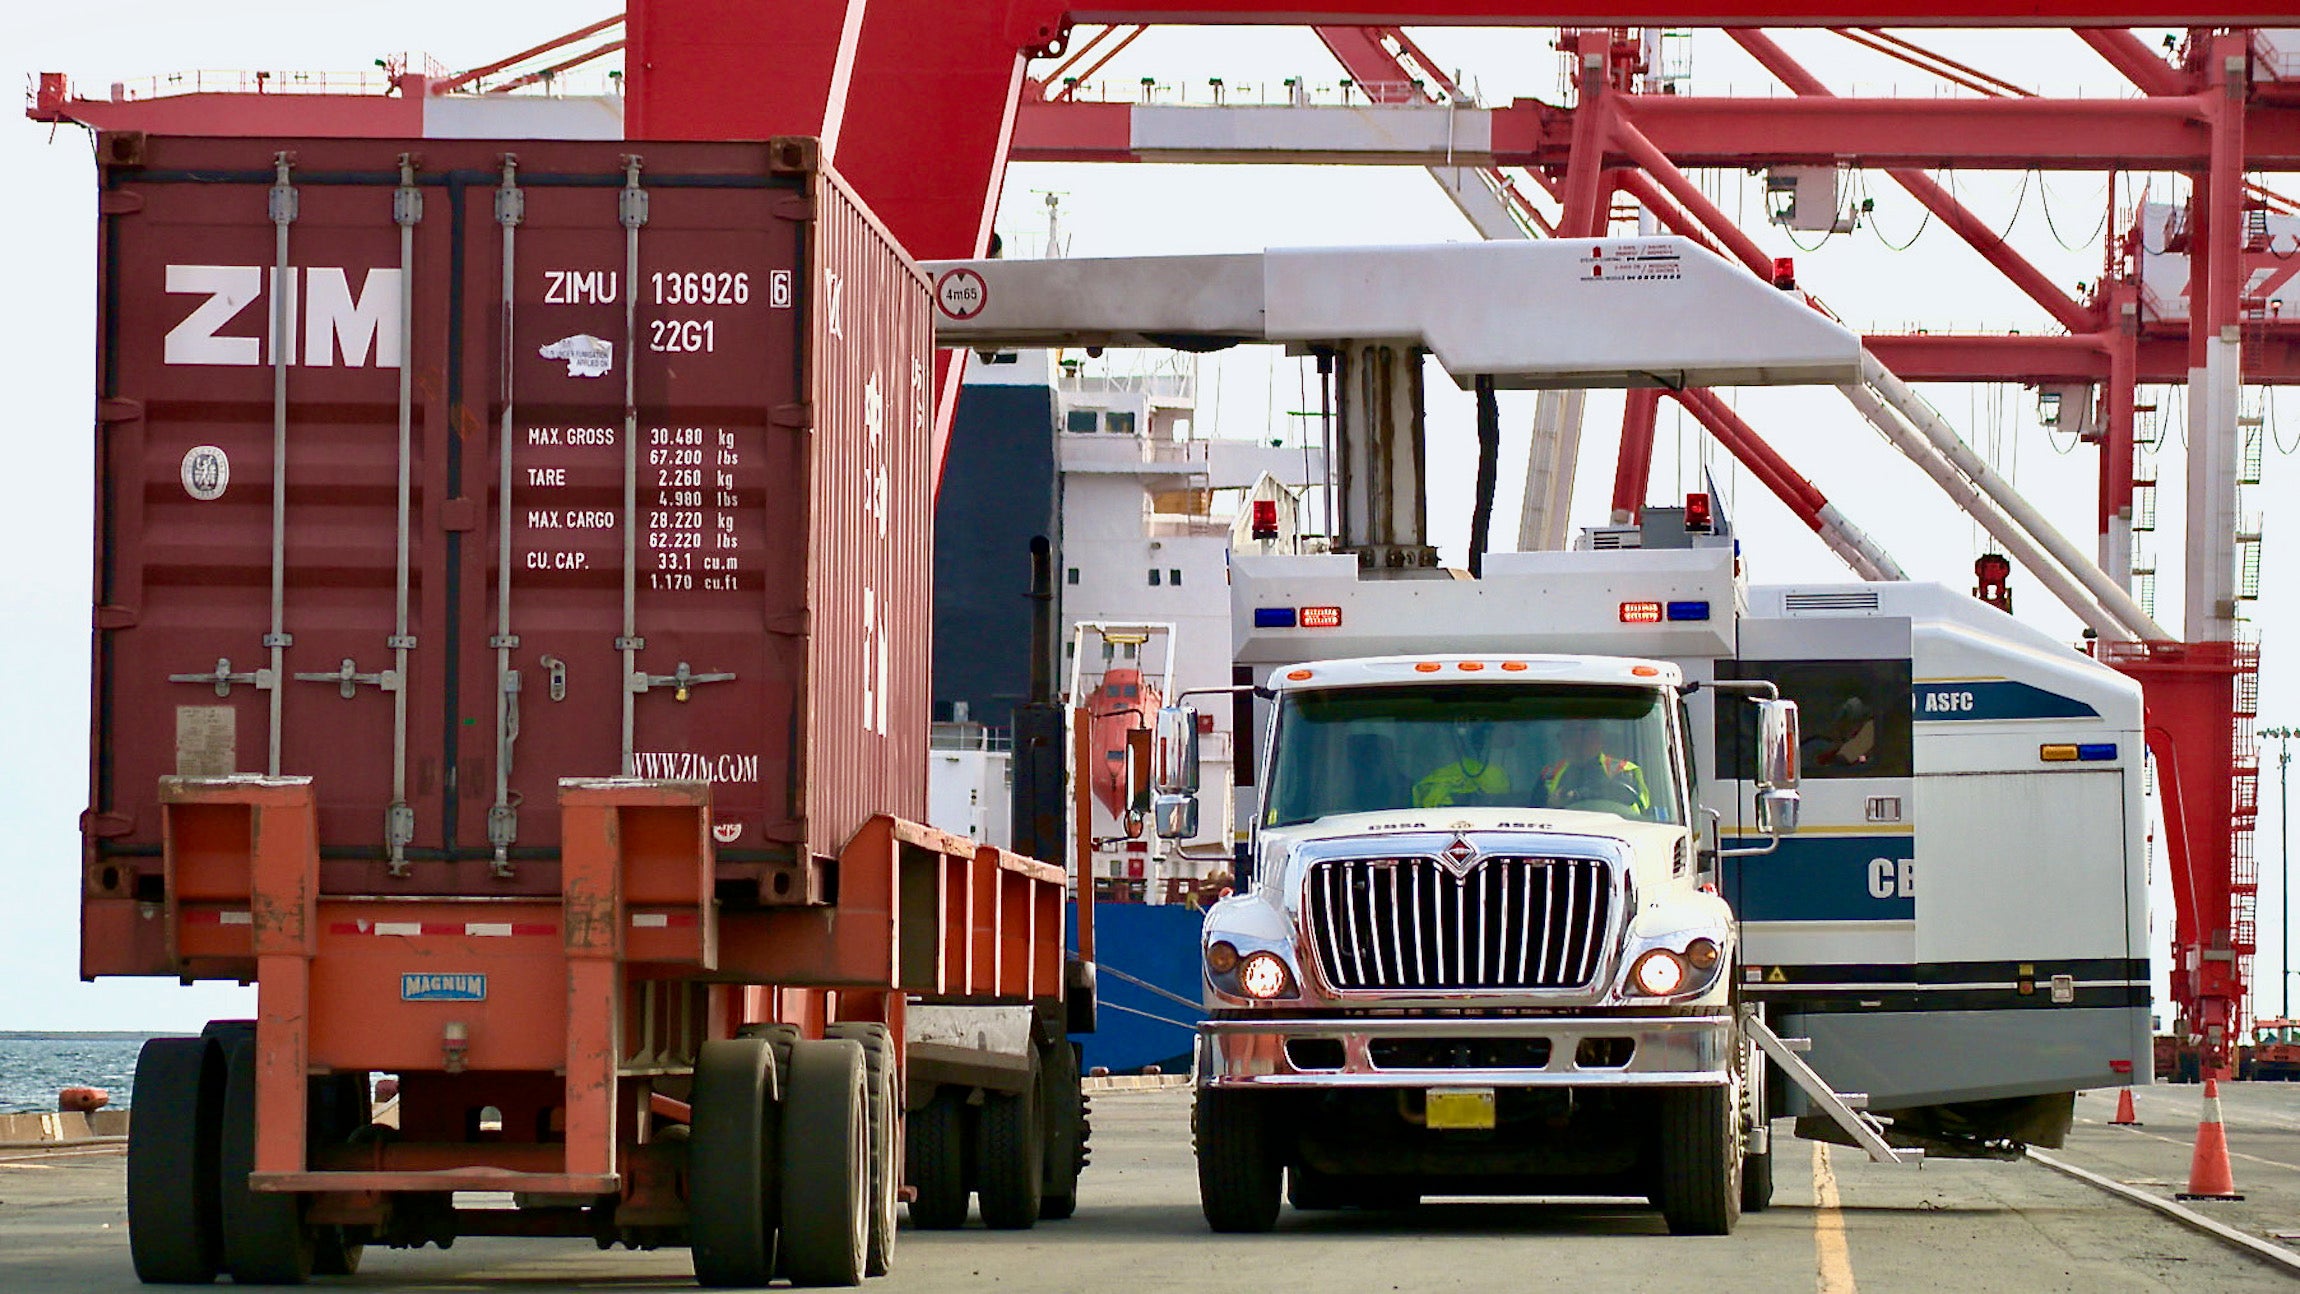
(1459, 1107)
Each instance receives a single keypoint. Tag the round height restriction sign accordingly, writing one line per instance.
(961, 293)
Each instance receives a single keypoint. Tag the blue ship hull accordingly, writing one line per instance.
(1147, 965)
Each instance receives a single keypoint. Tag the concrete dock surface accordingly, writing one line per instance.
(1839, 1224)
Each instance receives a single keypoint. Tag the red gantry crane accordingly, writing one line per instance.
(923, 103)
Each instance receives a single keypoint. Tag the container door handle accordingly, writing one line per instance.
(222, 677)
(681, 679)
(348, 678)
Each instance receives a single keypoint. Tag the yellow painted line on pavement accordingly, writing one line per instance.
(1833, 1263)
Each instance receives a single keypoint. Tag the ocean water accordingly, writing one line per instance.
(34, 1066)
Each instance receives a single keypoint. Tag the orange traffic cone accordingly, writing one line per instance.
(2209, 1177)
(2126, 1116)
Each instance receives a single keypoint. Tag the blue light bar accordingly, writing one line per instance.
(1689, 611)
(1273, 617)
(2097, 750)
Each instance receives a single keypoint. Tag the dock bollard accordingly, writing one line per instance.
(2209, 1175)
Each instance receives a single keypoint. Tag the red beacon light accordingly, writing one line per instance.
(1265, 518)
(1698, 520)
(1785, 273)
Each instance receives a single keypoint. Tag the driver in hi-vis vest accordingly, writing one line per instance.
(1587, 773)
(1476, 777)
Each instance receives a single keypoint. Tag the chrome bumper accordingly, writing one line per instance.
(1666, 1051)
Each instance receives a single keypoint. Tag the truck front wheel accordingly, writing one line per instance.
(1700, 1187)
(1240, 1171)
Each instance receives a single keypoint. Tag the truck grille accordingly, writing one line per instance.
(1412, 924)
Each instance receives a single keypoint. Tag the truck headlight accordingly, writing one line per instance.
(1660, 973)
(1264, 975)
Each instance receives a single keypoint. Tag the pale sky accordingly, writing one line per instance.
(47, 339)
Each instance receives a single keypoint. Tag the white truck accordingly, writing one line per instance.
(1535, 886)
(1474, 982)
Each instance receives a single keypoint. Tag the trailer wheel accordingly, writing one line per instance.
(934, 1144)
(885, 1105)
(780, 1038)
(173, 1233)
(1063, 1106)
(265, 1241)
(1012, 1159)
(1239, 1169)
(731, 1164)
(826, 1164)
(340, 1109)
(1700, 1187)
(1311, 1191)
(1756, 1168)
(1757, 1182)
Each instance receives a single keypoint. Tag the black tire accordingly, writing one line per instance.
(265, 1241)
(1700, 1181)
(1757, 1182)
(1311, 1191)
(1063, 1105)
(341, 1107)
(1012, 1157)
(1239, 1169)
(934, 1146)
(731, 1164)
(174, 1236)
(780, 1038)
(1387, 1195)
(826, 1164)
(885, 1110)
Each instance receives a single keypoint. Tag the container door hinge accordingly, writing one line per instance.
(120, 202)
(682, 680)
(348, 678)
(111, 615)
(799, 414)
(223, 676)
(119, 408)
(502, 829)
(398, 834)
(105, 826)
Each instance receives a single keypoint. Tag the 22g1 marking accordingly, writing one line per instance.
(682, 336)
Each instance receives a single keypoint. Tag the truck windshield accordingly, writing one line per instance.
(1359, 750)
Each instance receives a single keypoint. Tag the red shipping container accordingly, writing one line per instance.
(599, 459)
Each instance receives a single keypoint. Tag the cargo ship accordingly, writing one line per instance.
(1104, 458)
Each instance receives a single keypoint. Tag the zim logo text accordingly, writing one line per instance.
(328, 316)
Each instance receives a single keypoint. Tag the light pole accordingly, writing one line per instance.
(2284, 738)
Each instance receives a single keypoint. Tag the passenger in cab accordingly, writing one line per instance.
(1477, 775)
(1587, 775)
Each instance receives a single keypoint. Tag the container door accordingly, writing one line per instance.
(644, 573)
(245, 627)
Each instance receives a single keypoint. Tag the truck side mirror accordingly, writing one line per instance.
(1174, 773)
(1174, 768)
(1137, 781)
(1777, 743)
(1777, 812)
(1174, 817)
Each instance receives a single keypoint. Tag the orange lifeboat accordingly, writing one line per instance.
(81, 1100)
(1123, 701)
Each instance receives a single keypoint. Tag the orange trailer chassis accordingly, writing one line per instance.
(548, 1045)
